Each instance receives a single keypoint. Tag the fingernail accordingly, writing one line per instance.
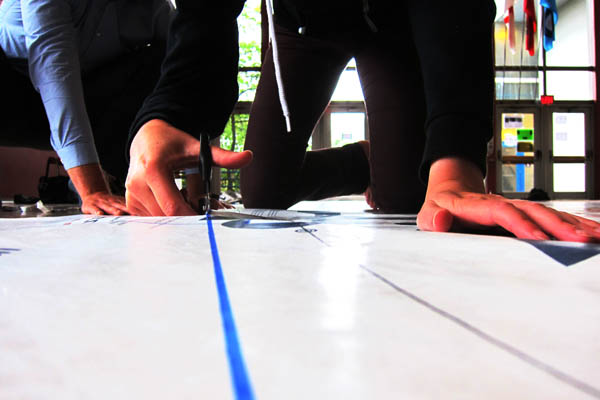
(581, 232)
(539, 235)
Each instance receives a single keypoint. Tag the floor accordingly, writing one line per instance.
(336, 303)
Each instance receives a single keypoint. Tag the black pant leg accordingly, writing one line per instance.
(391, 80)
(454, 45)
(281, 172)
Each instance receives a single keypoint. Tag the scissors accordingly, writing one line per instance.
(205, 162)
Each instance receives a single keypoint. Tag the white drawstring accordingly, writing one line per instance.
(368, 19)
(282, 100)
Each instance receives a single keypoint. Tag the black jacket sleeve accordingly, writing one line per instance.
(198, 87)
(454, 44)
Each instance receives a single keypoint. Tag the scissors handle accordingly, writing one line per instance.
(206, 163)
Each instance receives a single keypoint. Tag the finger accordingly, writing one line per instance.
(584, 221)
(91, 209)
(149, 203)
(561, 225)
(570, 217)
(167, 195)
(121, 207)
(138, 211)
(139, 194)
(586, 226)
(431, 217)
(553, 222)
(118, 202)
(135, 206)
(483, 210)
(442, 221)
(369, 198)
(108, 208)
(230, 159)
(511, 218)
(113, 205)
(217, 204)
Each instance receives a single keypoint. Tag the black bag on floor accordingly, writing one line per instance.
(55, 189)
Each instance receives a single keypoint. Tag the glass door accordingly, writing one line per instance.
(340, 124)
(519, 150)
(570, 170)
(545, 147)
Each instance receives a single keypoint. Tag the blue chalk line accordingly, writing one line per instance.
(240, 380)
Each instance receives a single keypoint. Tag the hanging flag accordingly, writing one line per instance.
(509, 20)
(549, 20)
(531, 22)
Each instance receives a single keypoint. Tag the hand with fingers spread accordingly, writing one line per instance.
(94, 191)
(103, 203)
(157, 150)
(455, 199)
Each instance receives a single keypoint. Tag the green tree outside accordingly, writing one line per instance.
(234, 135)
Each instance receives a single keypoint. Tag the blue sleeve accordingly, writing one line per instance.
(54, 69)
(12, 37)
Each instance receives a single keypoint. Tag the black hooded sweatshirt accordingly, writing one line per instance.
(198, 87)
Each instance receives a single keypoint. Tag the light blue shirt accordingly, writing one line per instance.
(44, 33)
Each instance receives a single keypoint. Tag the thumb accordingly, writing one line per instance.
(230, 159)
(434, 218)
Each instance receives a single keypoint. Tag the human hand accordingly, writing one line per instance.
(103, 203)
(196, 200)
(194, 194)
(369, 198)
(157, 150)
(90, 183)
(455, 200)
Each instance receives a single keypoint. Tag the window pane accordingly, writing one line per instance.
(574, 36)
(573, 47)
(574, 33)
(517, 134)
(568, 134)
(517, 178)
(250, 34)
(233, 138)
(515, 85)
(247, 82)
(348, 87)
(569, 177)
(347, 128)
(517, 139)
(505, 56)
(250, 39)
(571, 85)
